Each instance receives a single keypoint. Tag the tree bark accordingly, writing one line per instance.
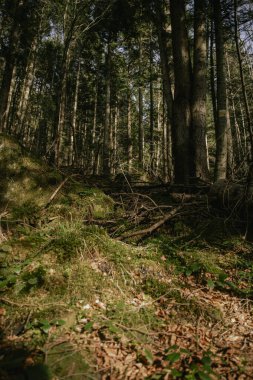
(221, 135)
(8, 80)
(182, 99)
(129, 134)
(73, 129)
(244, 92)
(107, 123)
(199, 91)
(141, 126)
(151, 111)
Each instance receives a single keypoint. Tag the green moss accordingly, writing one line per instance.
(154, 287)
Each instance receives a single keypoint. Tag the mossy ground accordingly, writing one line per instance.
(94, 307)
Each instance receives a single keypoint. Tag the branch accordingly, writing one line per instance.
(154, 227)
(56, 192)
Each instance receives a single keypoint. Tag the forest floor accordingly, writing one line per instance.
(104, 281)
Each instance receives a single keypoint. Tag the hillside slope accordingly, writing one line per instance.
(78, 303)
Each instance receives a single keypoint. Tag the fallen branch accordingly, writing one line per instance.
(100, 222)
(56, 191)
(32, 306)
(154, 227)
(129, 328)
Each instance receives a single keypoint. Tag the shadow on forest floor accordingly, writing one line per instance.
(19, 363)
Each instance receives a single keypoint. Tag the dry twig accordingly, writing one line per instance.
(154, 227)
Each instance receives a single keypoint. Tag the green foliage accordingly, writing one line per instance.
(154, 287)
(184, 364)
(34, 278)
(44, 325)
(22, 277)
(28, 212)
(66, 239)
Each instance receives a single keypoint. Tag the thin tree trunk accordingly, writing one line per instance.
(115, 140)
(230, 150)
(141, 126)
(151, 113)
(236, 141)
(160, 133)
(212, 77)
(73, 148)
(244, 92)
(93, 133)
(129, 134)
(107, 123)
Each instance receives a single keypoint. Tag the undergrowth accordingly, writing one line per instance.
(62, 274)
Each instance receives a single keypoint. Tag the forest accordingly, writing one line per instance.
(126, 189)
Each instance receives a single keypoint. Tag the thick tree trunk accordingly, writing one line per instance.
(27, 86)
(8, 80)
(182, 100)
(199, 91)
(163, 48)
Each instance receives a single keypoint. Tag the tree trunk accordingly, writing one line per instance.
(129, 134)
(141, 126)
(8, 80)
(235, 132)
(73, 147)
(27, 86)
(249, 203)
(212, 77)
(182, 100)
(221, 135)
(163, 48)
(151, 111)
(199, 91)
(107, 123)
(230, 151)
(244, 92)
(114, 159)
(93, 133)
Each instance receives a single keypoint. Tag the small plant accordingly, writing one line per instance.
(66, 240)
(154, 287)
(44, 325)
(183, 364)
(35, 278)
(28, 212)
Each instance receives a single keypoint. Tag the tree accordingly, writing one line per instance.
(182, 94)
(199, 91)
(221, 119)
